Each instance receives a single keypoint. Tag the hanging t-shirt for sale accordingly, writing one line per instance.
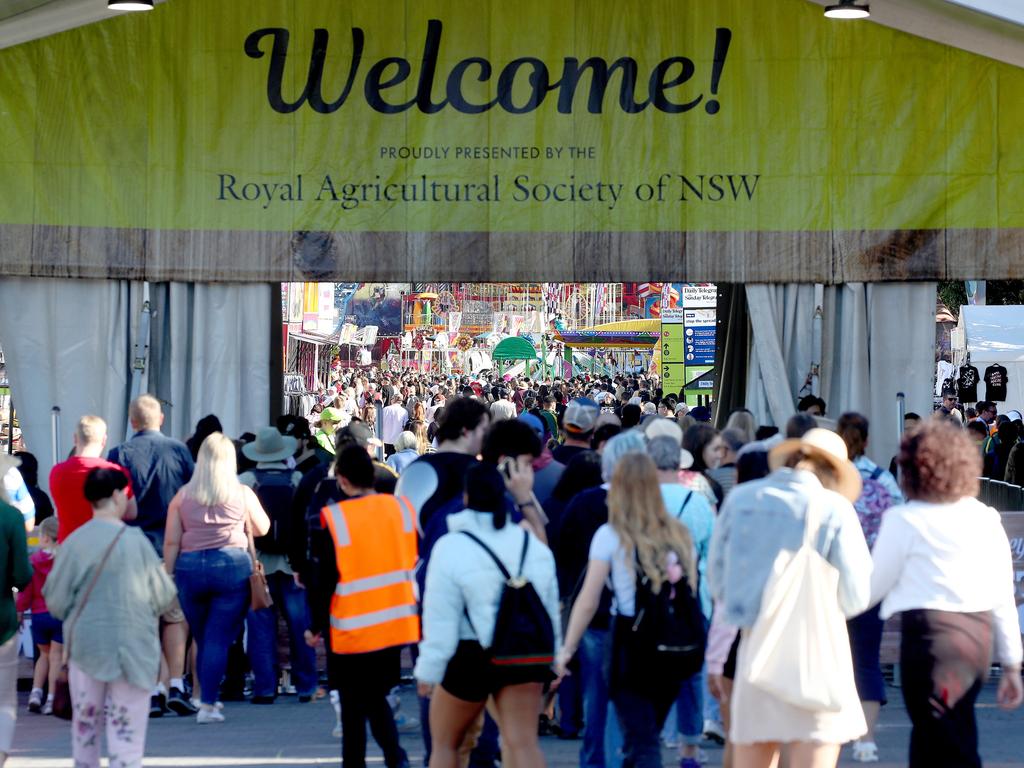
(967, 384)
(945, 376)
(995, 383)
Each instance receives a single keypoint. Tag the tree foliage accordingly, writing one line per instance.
(953, 293)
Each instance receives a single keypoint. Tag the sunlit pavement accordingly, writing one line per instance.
(289, 734)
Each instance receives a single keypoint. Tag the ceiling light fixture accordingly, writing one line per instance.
(129, 5)
(847, 9)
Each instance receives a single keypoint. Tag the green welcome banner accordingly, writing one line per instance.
(212, 140)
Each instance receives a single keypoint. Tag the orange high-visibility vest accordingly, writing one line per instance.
(374, 603)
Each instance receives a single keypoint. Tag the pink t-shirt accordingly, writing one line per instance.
(214, 527)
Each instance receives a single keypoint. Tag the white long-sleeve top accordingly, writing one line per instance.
(948, 557)
(462, 578)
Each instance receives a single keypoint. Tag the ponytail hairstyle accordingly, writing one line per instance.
(485, 492)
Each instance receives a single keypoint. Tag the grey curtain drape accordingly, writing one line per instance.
(877, 340)
(69, 343)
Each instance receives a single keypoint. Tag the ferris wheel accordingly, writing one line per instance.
(446, 302)
(576, 308)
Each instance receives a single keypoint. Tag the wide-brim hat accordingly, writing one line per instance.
(270, 445)
(826, 445)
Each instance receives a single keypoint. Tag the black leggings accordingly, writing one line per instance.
(364, 681)
(944, 659)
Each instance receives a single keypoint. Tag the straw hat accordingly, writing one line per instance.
(826, 445)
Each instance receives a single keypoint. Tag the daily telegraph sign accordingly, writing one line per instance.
(586, 139)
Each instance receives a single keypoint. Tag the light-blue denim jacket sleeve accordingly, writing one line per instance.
(760, 519)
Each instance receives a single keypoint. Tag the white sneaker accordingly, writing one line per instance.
(713, 731)
(199, 704)
(209, 715)
(48, 706)
(865, 752)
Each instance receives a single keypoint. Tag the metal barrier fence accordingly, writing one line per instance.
(1004, 497)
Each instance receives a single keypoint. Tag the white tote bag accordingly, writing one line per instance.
(800, 649)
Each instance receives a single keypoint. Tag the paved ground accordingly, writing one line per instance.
(293, 734)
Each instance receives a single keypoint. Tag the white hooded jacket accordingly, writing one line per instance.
(462, 578)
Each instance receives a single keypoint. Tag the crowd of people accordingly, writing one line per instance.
(589, 557)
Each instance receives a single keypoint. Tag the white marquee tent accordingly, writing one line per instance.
(992, 335)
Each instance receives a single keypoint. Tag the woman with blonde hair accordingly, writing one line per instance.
(744, 421)
(418, 427)
(209, 522)
(641, 550)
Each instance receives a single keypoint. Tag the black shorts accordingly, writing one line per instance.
(471, 676)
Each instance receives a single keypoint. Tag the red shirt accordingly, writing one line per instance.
(67, 484)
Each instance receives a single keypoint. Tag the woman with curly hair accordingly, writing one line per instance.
(943, 560)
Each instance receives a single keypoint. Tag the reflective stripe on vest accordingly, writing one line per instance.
(403, 504)
(371, 619)
(373, 582)
(341, 536)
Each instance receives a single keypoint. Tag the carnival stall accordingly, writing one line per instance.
(628, 345)
(514, 349)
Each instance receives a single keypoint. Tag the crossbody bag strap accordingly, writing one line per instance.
(88, 590)
(685, 504)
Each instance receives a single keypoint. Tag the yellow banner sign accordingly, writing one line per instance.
(487, 116)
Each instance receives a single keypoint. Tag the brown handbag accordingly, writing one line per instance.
(258, 588)
(62, 696)
(62, 707)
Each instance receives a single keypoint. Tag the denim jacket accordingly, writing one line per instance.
(759, 519)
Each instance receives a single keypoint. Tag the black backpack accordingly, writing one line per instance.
(523, 633)
(275, 491)
(668, 627)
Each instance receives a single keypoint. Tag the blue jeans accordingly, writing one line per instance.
(213, 586)
(688, 709)
(712, 710)
(601, 733)
(641, 717)
(290, 599)
(570, 705)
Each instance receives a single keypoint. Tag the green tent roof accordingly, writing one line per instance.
(514, 348)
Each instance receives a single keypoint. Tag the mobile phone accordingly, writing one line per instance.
(504, 466)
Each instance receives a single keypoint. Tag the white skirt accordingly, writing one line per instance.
(759, 717)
